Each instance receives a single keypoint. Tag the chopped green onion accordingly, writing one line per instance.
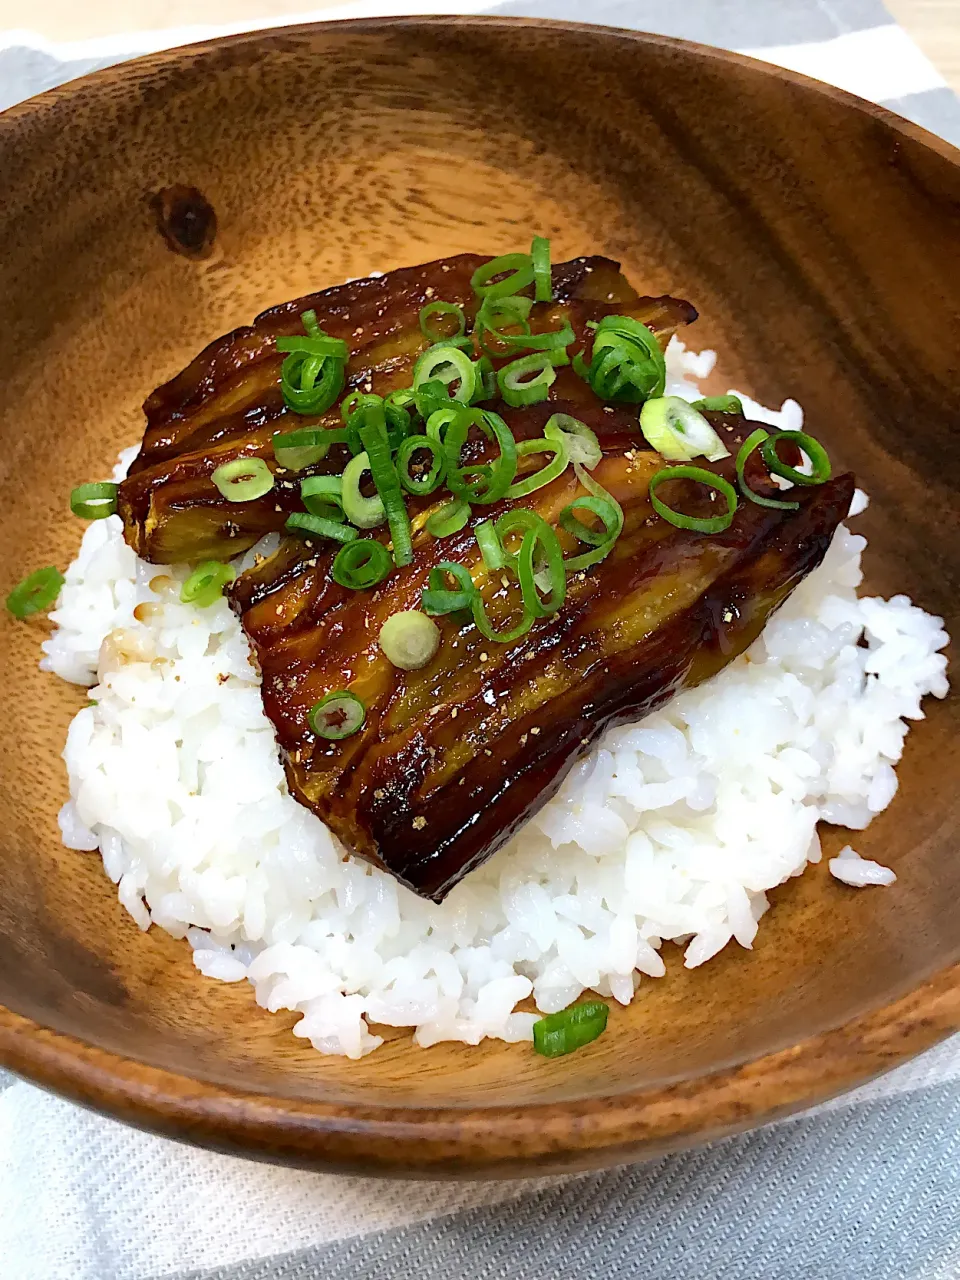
(489, 631)
(626, 364)
(432, 309)
(36, 593)
(365, 513)
(486, 380)
(527, 380)
(205, 585)
(298, 382)
(401, 398)
(487, 482)
(814, 450)
(305, 447)
(554, 468)
(554, 342)
(94, 501)
(374, 439)
(321, 495)
(422, 484)
(678, 432)
(315, 356)
(445, 364)
(579, 441)
(561, 1033)
(542, 278)
(599, 503)
(324, 346)
(243, 479)
(540, 565)
(440, 419)
(719, 404)
(361, 564)
(699, 524)
(437, 597)
(496, 314)
(337, 715)
(309, 526)
(520, 270)
(491, 549)
(450, 518)
(409, 639)
(746, 449)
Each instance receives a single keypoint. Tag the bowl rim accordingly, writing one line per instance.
(482, 1140)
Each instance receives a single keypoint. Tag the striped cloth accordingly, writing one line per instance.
(865, 1188)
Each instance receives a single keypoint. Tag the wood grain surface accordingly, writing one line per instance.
(818, 239)
(934, 24)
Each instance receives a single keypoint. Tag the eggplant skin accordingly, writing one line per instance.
(227, 403)
(454, 758)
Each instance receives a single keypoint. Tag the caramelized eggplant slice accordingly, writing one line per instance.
(227, 403)
(453, 758)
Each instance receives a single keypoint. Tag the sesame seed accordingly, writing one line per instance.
(535, 730)
(379, 794)
(419, 824)
(454, 713)
(523, 740)
(484, 657)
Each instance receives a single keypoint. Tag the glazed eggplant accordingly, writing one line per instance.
(453, 758)
(228, 402)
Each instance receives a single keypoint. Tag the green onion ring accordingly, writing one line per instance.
(497, 313)
(373, 436)
(579, 440)
(420, 485)
(719, 404)
(205, 585)
(298, 382)
(542, 276)
(441, 357)
(498, 477)
(440, 419)
(544, 538)
(698, 524)
(35, 593)
(337, 715)
(744, 453)
(570, 1029)
(609, 511)
(243, 479)
(491, 549)
(360, 564)
(519, 388)
(553, 469)
(812, 448)
(308, 526)
(295, 450)
(626, 364)
(322, 345)
(520, 270)
(322, 496)
(365, 513)
(554, 342)
(442, 309)
(409, 639)
(678, 431)
(489, 631)
(450, 518)
(94, 501)
(437, 598)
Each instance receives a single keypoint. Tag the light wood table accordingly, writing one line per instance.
(934, 24)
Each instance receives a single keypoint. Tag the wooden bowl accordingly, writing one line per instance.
(818, 236)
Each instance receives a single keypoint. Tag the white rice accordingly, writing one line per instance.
(674, 828)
